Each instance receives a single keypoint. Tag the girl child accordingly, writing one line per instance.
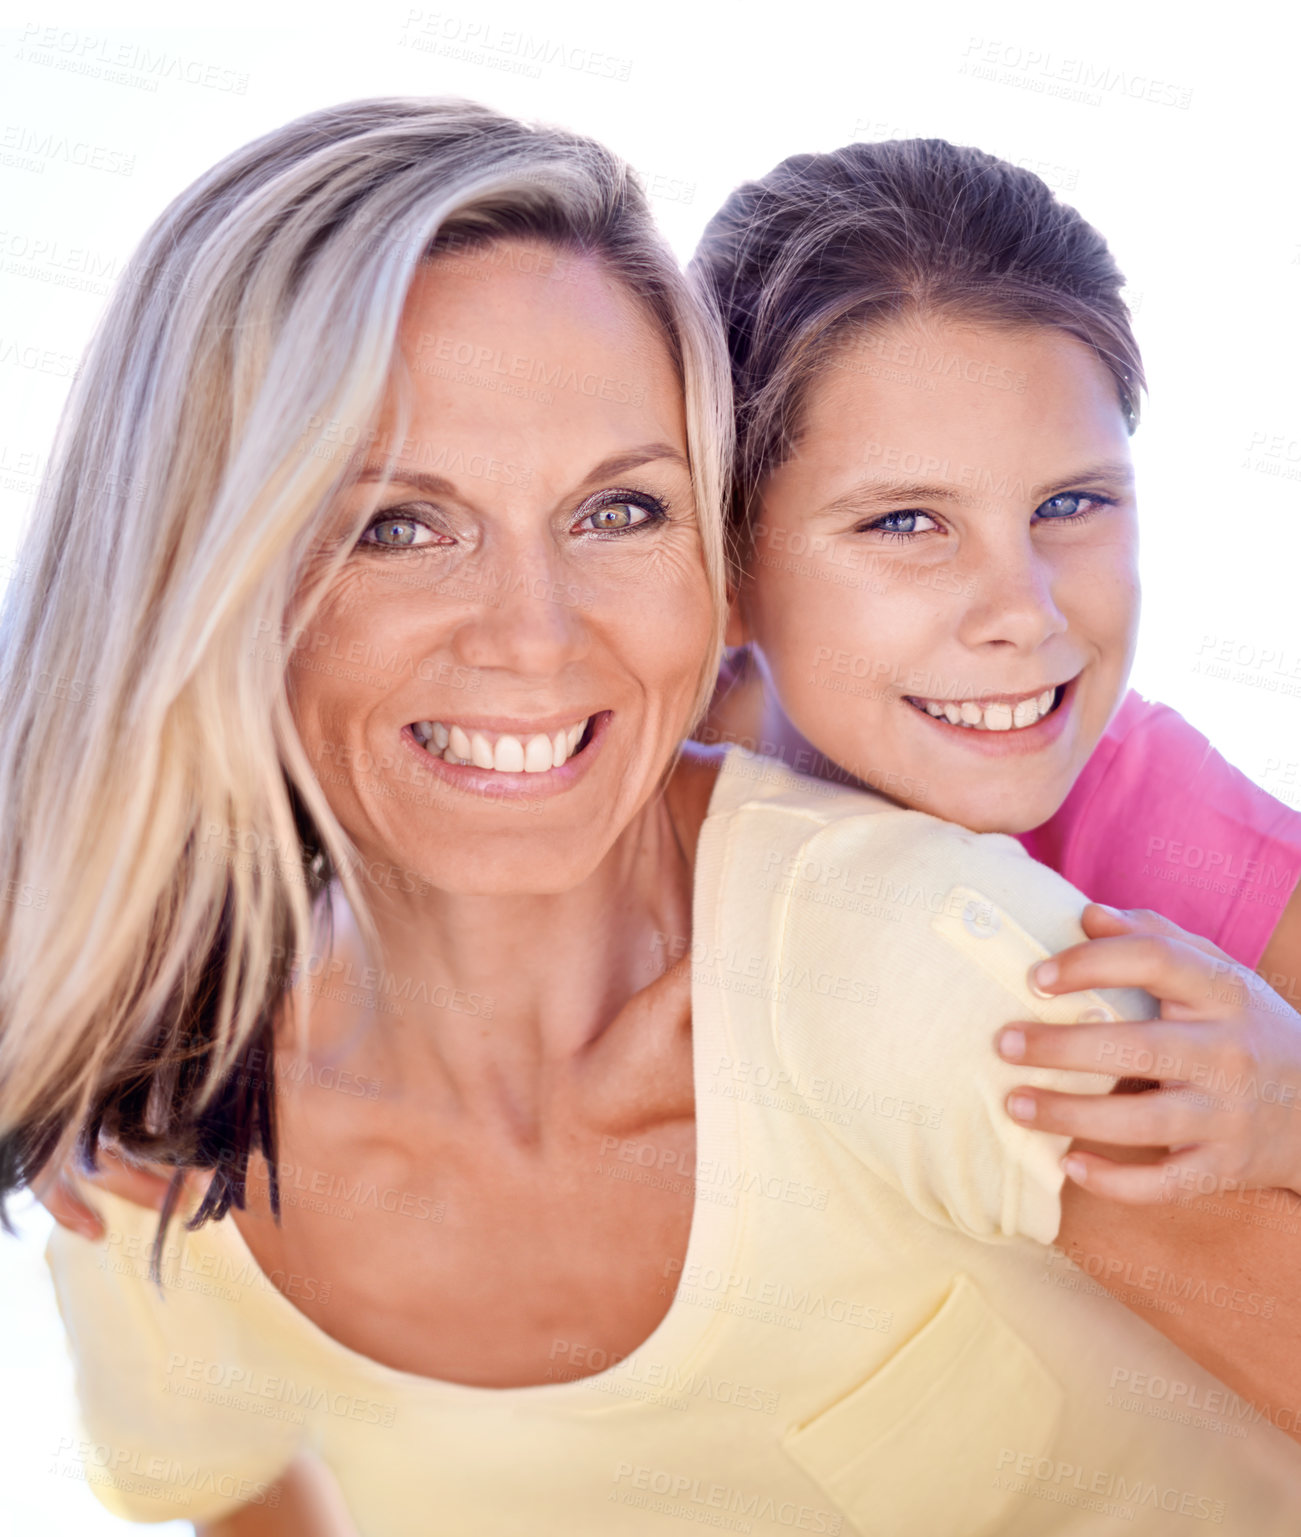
(934, 517)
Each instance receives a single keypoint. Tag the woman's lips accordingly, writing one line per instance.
(528, 750)
(508, 783)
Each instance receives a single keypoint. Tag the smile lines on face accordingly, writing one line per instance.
(501, 751)
(1008, 714)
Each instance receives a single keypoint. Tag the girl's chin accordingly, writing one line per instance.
(1012, 813)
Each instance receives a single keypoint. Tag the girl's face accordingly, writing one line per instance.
(943, 586)
(500, 674)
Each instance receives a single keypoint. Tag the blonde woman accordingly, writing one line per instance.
(383, 904)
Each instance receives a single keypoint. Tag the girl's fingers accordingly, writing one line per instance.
(1164, 1118)
(1121, 1048)
(1132, 1184)
(1101, 922)
(1170, 969)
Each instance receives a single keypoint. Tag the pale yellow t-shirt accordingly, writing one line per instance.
(867, 1334)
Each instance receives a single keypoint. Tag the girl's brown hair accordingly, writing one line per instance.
(824, 246)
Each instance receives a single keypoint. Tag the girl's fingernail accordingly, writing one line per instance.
(1075, 1168)
(1020, 1107)
(1043, 976)
(1011, 1044)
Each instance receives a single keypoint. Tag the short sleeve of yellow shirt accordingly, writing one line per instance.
(902, 945)
(168, 1433)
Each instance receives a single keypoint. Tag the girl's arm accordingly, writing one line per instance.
(1214, 1149)
(1236, 1283)
(1280, 965)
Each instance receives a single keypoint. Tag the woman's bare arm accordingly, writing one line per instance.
(305, 1502)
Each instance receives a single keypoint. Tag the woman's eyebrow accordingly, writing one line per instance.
(631, 459)
(607, 469)
(419, 480)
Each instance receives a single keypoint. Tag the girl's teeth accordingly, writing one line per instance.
(991, 717)
(506, 754)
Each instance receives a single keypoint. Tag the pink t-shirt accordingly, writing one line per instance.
(1158, 819)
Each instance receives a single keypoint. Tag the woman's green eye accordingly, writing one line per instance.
(617, 518)
(395, 532)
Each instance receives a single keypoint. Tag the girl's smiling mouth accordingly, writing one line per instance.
(994, 712)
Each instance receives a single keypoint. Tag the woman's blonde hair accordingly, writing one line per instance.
(147, 746)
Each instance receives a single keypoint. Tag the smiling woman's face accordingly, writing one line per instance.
(529, 594)
(943, 585)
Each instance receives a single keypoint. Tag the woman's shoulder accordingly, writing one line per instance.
(769, 800)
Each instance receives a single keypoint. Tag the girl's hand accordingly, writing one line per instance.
(1226, 1051)
(62, 1191)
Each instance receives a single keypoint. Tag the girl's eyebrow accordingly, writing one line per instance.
(874, 493)
(1117, 472)
(870, 494)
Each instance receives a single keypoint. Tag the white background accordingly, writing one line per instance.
(1173, 136)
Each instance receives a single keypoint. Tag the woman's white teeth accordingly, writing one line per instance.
(990, 717)
(539, 754)
(501, 752)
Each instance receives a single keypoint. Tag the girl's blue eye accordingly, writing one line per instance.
(900, 522)
(1067, 504)
(900, 525)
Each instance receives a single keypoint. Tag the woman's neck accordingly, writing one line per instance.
(481, 999)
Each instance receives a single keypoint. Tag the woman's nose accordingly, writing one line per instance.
(529, 617)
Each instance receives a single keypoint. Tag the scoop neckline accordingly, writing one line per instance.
(714, 1226)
